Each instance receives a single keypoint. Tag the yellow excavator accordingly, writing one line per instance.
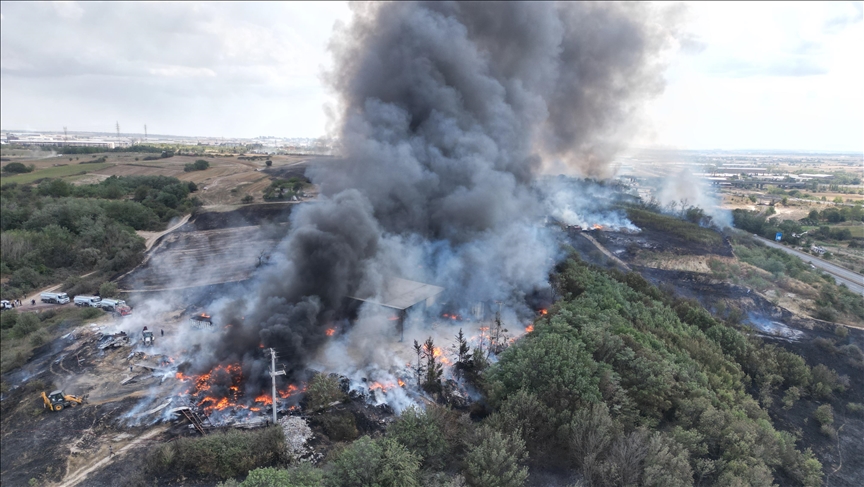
(57, 400)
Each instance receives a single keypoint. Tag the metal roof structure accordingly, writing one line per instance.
(402, 294)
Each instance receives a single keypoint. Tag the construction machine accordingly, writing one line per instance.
(57, 400)
(147, 338)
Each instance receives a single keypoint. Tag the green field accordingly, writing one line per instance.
(54, 172)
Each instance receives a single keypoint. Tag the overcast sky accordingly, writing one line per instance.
(757, 76)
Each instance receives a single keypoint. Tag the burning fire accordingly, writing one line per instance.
(330, 332)
(597, 226)
(206, 397)
(451, 317)
(384, 387)
(529, 328)
(544, 312)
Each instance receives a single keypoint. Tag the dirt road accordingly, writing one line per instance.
(80, 475)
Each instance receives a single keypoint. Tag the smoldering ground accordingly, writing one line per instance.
(447, 114)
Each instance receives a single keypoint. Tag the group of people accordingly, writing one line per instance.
(16, 303)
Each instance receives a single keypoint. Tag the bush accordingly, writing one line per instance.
(199, 165)
(422, 435)
(107, 290)
(218, 455)
(855, 408)
(268, 163)
(824, 414)
(248, 199)
(91, 313)
(496, 460)
(340, 426)
(304, 475)
(322, 391)
(368, 462)
(17, 168)
(26, 324)
(8, 319)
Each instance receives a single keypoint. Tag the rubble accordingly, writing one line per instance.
(297, 434)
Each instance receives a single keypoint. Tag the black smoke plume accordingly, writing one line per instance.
(447, 113)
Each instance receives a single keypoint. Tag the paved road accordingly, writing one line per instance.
(852, 280)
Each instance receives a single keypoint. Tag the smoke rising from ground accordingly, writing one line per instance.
(448, 112)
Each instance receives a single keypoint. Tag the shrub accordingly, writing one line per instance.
(8, 319)
(824, 414)
(792, 395)
(496, 460)
(26, 324)
(339, 426)
(16, 168)
(248, 199)
(91, 313)
(107, 290)
(323, 390)
(855, 407)
(368, 462)
(199, 165)
(304, 475)
(422, 435)
(219, 455)
(268, 163)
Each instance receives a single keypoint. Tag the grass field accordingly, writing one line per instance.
(54, 172)
(856, 229)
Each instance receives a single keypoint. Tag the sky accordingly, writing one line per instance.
(746, 75)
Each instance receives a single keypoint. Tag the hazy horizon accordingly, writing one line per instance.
(754, 76)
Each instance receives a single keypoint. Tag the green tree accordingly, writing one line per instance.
(107, 290)
(496, 460)
(422, 435)
(303, 475)
(323, 389)
(248, 199)
(374, 463)
(434, 369)
(824, 414)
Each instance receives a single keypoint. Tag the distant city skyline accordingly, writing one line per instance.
(744, 76)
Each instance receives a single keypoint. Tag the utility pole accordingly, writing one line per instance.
(273, 374)
(118, 129)
(65, 135)
(145, 132)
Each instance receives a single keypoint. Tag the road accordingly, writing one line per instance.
(852, 280)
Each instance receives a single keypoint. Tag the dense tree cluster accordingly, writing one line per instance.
(57, 229)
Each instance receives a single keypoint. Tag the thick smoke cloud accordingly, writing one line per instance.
(448, 112)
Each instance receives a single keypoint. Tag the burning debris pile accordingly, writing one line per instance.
(448, 115)
(218, 395)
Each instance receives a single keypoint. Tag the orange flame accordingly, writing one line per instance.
(290, 391)
(529, 328)
(597, 226)
(265, 398)
(401, 383)
(330, 332)
(543, 312)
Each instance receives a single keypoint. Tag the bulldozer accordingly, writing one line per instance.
(57, 400)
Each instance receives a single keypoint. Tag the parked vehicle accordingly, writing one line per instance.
(147, 338)
(5, 304)
(115, 305)
(91, 301)
(56, 298)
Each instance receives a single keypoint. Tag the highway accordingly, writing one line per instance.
(852, 280)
